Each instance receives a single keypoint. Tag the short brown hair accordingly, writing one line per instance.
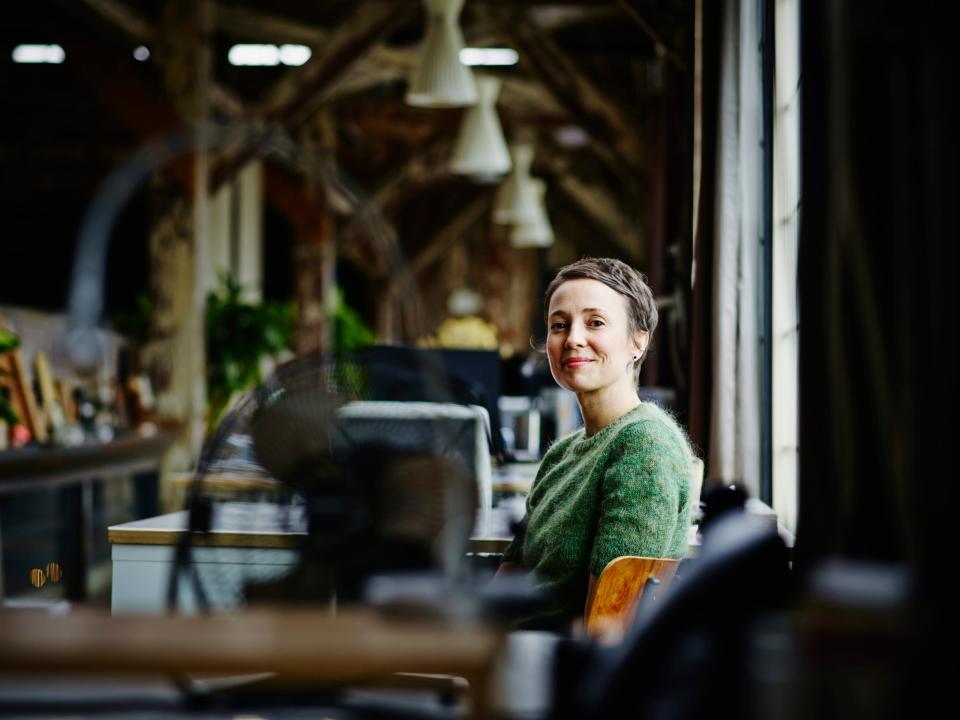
(618, 276)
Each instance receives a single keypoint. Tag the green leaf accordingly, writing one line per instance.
(239, 335)
(8, 340)
(7, 413)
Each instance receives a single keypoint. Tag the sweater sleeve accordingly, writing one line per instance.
(514, 551)
(639, 496)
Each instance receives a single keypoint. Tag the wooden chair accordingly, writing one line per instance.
(619, 587)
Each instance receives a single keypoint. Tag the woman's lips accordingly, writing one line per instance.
(576, 362)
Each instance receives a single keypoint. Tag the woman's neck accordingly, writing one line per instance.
(599, 410)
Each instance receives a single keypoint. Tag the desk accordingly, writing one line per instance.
(76, 469)
(249, 542)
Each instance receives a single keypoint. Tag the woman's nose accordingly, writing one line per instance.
(575, 336)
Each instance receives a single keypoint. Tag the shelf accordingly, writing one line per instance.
(32, 467)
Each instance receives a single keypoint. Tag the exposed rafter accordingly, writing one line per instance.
(452, 232)
(120, 15)
(257, 25)
(578, 95)
(445, 238)
(597, 203)
(420, 169)
(383, 64)
(138, 107)
(662, 47)
(139, 28)
(293, 99)
(298, 94)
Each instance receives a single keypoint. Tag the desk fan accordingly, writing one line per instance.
(349, 500)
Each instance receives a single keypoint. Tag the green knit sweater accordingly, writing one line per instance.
(622, 491)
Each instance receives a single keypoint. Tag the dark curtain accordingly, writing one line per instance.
(701, 353)
(879, 291)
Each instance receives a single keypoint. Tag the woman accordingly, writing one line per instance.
(619, 485)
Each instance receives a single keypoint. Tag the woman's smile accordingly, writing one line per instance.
(576, 362)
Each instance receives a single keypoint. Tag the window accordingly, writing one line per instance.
(786, 210)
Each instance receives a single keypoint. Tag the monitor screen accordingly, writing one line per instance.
(469, 377)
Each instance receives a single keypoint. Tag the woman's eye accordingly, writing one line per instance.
(557, 326)
(597, 323)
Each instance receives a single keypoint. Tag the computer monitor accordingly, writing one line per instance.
(448, 430)
(466, 377)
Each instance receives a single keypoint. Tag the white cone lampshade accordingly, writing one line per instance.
(537, 232)
(439, 78)
(516, 199)
(481, 150)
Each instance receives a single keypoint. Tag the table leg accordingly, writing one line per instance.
(76, 504)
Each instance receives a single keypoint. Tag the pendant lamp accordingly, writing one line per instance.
(517, 197)
(481, 150)
(538, 232)
(439, 78)
(463, 302)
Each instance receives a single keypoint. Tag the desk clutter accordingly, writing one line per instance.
(42, 400)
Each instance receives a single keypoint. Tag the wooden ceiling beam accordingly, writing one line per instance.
(296, 96)
(586, 104)
(379, 64)
(421, 168)
(149, 114)
(452, 232)
(383, 64)
(145, 31)
(257, 25)
(595, 202)
(662, 48)
(120, 15)
(138, 107)
(445, 238)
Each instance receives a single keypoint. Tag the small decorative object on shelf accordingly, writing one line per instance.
(467, 332)
(44, 404)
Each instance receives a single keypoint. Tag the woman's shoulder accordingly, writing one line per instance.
(652, 428)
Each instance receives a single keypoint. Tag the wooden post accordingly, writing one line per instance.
(313, 276)
(315, 251)
(178, 245)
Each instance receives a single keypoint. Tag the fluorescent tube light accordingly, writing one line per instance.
(489, 56)
(38, 54)
(257, 55)
(294, 54)
(252, 55)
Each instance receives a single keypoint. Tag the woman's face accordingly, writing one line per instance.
(588, 338)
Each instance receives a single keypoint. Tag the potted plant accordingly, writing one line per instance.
(240, 335)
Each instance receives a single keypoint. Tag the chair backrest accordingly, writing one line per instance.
(619, 587)
(689, 655)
